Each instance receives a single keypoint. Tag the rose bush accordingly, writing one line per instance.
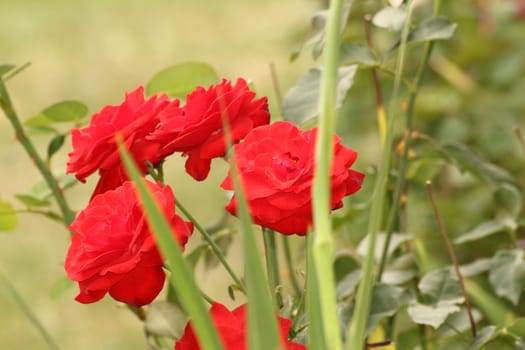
(94, 147)
(232, 329)
(113, 250)
(276, 165)
(196, 129)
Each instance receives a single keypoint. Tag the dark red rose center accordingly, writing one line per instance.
(285, 166)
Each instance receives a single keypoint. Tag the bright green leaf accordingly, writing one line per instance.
(180, 79)
(431, 315)
(66, 111)
(397, 277)
(355, 53)
(507, 274)
(8, 218)
(442, 287)
(485, 229)
(301, 102)
(55, 144)
(390, 18)
(31, 201)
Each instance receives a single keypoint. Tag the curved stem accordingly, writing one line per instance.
(9, 111)
(272, 266)
(211, 242)
(289, 265)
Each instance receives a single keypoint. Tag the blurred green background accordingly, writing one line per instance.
(94, 51)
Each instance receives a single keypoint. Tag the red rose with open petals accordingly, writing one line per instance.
(113, 250)
(196, 130)
(94, 147)
(276, 164)
(232, 329)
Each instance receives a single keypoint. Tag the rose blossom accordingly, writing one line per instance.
(196, 129)
(94, 147)
(232, 329)
(276, 165)
(113, 250)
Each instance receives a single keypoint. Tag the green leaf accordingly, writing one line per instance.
(355, 53)
(431, 315)
(486, 229)
(193, 258)
(396, 277)
(5, 68)
(61, 112)
(477, 166)
(301, 102)
(434, 28)
(344, 264)
(183, 281)
(386, 300)
(508, 197)
(31, 201)
(165, 318)
(59, 287)
(346, 286)
(55, 144)
(507, 274)
(395, 241)
(390, 18)
(486, 335)
(180, 79)
(476, 267)
(442, 287)
(518, 328)
(40, 191)
(8, 218)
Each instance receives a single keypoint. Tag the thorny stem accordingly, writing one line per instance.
(453, 257)
(211, 242)
(9, 111)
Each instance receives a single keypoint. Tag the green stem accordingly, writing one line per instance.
(398, 191)
(323, 245)
(272, 266)
(9, 111)
(356, 335)
(289, 265)
(211, 242)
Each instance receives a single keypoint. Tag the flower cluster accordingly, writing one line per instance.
(113, 250)
(232, 329)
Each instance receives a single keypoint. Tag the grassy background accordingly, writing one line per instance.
(94, 51)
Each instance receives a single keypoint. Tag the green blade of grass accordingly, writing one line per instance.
(323, 245)
(316, 337)
(263, 333)
(181, 277)
(28, 313)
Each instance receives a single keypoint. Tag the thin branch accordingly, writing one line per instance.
(453, 257)
(276, 87)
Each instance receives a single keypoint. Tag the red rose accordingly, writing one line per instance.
(232, 329)
(196, 129)
(113, 250)
(94, 147)
(276, 165)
